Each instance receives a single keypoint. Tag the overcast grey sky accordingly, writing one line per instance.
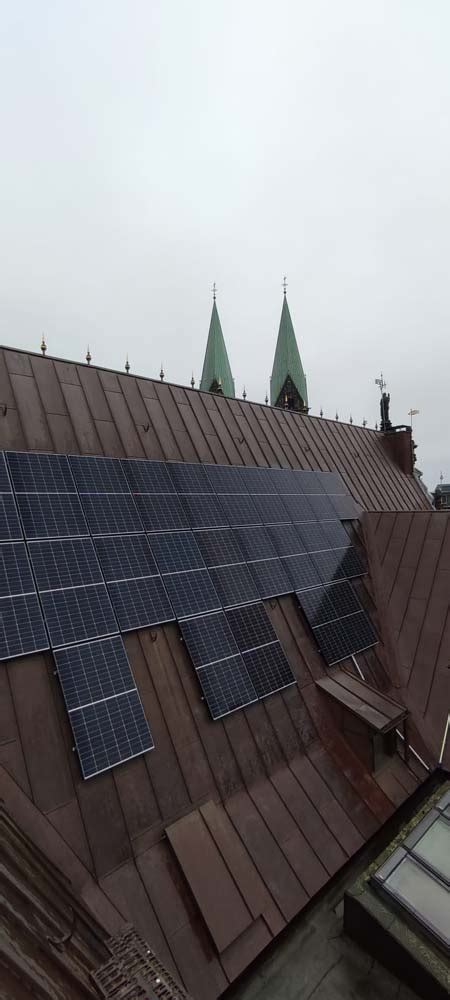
(151, 148)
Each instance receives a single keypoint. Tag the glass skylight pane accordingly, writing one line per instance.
(423, 895)
(434, 849)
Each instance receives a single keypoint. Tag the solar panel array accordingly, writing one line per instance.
(117, 545)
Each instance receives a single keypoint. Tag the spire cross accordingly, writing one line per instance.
(214, 290)
(284, 285)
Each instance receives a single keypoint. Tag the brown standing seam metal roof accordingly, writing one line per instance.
(377, 710)
(280, 799)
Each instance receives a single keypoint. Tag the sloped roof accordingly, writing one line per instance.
(216, 366)
(277, 796)
(287, 359)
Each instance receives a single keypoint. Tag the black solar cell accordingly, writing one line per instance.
(234, 584)
(51, 516)
(283, 481)
(271, 509)
(189, 477)
(354, 563)
(21, 626)
(93, 671)
(5, 485)
(257, 480)
(313, 537)
(343, 599)
(339, 639)
(298, 508)
(15, 570)
(226, 686)
(147, 477)
(270, 577)
(111, 513)
(286, 539)
(64, 562)
(110, 732)
(208, 638)
(225, 478)
(125, 557)
(176, 551)
(191, 593)
(78, 613)
(33, 472)
(301, 572)
(330, 565)
(9, 521)
(255, 542)
(307, 482)
(203, 510)
(317, 605)
(239, 510)
(142, 602)
(98, 475)
(220, 547)
(161, 512)
(336, 534)
(322, 507)
(251, 626)
(269, 669)
(332, 482)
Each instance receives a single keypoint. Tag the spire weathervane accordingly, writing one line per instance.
(380, 383)
(214, 290)
(284, 285)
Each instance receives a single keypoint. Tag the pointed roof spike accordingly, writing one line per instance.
(351, 419)
(321, 412)
(364, 422)
(244, 394)
(88, 355)
(192, 381)
(161, 374)
(43, 345)
(288, 376)
(216, 374)
(266, 398)
(127, 365)
(376, 425)
(337, 415)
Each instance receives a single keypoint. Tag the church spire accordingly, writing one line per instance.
(288, 382)
(216, 374)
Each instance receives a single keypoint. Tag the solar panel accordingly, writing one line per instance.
(64, 562)
(345, 637)
(301, 572)
(313, 536)
(21, 626)
(9, 521)
(332, 482)
(270, 577)
(176, 551)
(225, 478)
(191, 593)
(336, 534)
(234, 584)
(354, 563)
(344, 599)
(161, 512)
(226, 686)
(330, 565)
(105, 710)
(147, 477)
(15, 570)
(257, 480)
(5, 485)
(33, 472)
(269, 669)
(189, 477)
(298, 508)
(255, 542)
(78, 613)
(220, 547)
(240, 510)
(98, 475)
(51, 516)
(142, 602)
(271, 509)
(125, 557)
(251, 626)
(317, 605)
(283, 481)
(322, 507)
(307, 482)
(208, 638)
(111, 513)
(345, 507)
(286, 539)
(203, 510)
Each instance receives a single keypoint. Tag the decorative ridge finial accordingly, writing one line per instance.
(244, 394)
(43, 345)
(214, 290)
(441, 478)
(321, 412)
(364, 422)
(351, 419)
(161, 374)
(192, 381)
(88, 355)
(127, 365)
(284, 286)
(266, 398)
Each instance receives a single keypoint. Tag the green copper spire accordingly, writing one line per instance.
(216, 374)
(288, 382)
